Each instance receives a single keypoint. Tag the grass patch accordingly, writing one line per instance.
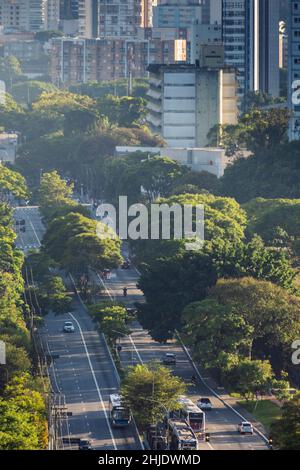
(266, 412)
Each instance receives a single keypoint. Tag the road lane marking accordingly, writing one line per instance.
(129, 336)
(95, 381)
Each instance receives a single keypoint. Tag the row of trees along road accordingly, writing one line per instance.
(75, 136)
(23, 423)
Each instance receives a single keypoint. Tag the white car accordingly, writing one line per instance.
(204, 404)
(68, 327)
(245, 428)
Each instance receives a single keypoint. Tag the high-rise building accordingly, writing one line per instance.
(69, 9)
(294, 69)
(14, 15)
(186, 101)
(251, 40)
(177, 13)
(77, 60)
(269, 47)
(283, 46)
(113, 18)
(52, 14)
(211, 11)
(37, 15)
(147, 13)
(23, 15)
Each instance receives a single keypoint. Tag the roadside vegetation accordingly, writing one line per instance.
(23, 422)
(151, 387)
(235, 300)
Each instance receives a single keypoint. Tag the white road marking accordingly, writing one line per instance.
(96, 382)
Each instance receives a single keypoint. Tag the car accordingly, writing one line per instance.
(126, 264)
(68, 327)
(204, 404)
(85, 444)
(169, 359)
(245, 428)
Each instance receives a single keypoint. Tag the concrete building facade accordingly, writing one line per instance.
(251, 41)
(211, 160)
(81, 60)
(113, 18)
(294, 69)
(185, 102)
(177, 13)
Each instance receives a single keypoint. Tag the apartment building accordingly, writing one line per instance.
(177, 13)
(23, 15)
(113, 18)
(81, 60)
(251, 40)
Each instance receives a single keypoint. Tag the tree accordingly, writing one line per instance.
(111, 318)
(53, 295)
(158, 175)
(252, 259)
(277, 221)
(22, 416)
(80, 121)
(10, 70)
(270, 173)
(224, 225)
(285, 432)
(89, 250)
(78, 242)
(54, 192)
(270, 311)
(263, 129)
(62, 102)
(150, 391)
(125, 111)
(170, 284)
(11, 182)
(214, 329)
(251, 377)
(30, 90)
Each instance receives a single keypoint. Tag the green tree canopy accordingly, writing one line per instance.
(169, 285)
(286, 431)
(11, 182)
(150, 391)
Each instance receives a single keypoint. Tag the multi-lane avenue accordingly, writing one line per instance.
(139, 347)
(83, 373)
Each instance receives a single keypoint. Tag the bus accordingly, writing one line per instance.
(180, 435)
(192, 414)
(119, 414)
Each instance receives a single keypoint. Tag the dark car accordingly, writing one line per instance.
(126, 264)
(169, 359)
(85, 444)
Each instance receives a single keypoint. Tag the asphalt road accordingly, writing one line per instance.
(221, 422)
(83, 375)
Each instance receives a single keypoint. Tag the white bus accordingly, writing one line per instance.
(180, 435)
(119, 414)
(192, 414)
